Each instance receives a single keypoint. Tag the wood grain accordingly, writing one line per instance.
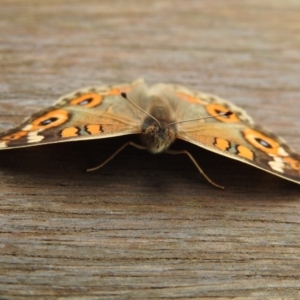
(148, 226)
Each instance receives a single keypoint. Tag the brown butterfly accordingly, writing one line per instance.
(159, 114)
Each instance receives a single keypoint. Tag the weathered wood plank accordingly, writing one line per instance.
(148, 226)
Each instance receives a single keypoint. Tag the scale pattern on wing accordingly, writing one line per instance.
(85, 114)
(237, 137)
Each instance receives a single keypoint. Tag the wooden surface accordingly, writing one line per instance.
(148, 226)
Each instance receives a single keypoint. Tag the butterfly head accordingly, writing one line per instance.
(157, 137)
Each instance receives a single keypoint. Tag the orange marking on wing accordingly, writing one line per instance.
(222, 144)
(214, 109)
(94, 129)
(93, 99)
(262, 142)
(14, 136)
(51, 119)
(293, 163)
(69, 132)
(245, 152)
(190, 99)
(88, 100)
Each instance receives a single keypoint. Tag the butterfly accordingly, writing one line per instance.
(159, 114)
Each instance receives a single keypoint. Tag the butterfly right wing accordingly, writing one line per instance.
(234, 136)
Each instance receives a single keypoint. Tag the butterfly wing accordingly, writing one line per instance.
(91, 113)
(235, 136)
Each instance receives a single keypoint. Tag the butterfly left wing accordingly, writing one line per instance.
(91, 113)
(235, 136)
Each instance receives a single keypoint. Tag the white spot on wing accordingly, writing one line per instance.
(282, 152)
(277, 164)
(3, 145)
(33, 137)
(27, 127)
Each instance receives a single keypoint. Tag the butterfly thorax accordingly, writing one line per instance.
(157, 134)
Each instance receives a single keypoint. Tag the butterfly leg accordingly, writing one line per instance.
(113, 155)
(169, 151)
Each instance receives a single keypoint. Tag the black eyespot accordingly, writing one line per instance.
(48, 121)
(85, 101)
(222, 113)
(263, 143)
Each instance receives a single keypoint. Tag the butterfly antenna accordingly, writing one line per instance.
(124, 95)
(222, 114)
